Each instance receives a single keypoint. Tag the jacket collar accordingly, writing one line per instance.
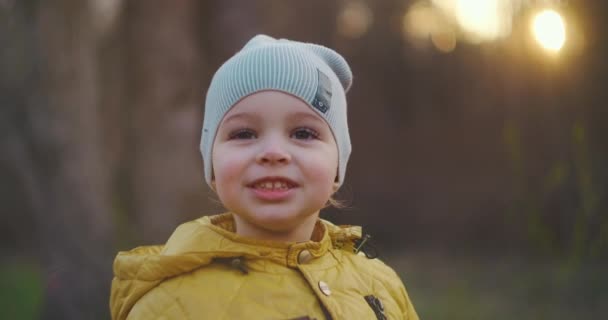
(223, 242)
(197, 243)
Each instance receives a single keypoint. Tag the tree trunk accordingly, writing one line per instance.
(165, 95)
(69, 183)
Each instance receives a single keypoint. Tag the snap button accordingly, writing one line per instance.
(239, 264)
(304, 257)
(324, 288)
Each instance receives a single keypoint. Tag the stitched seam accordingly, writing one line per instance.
(232, 299)
(322, 303)
(177, 302)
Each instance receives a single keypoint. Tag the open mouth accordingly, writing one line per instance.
(273, 184)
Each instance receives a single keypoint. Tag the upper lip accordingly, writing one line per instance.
(288, 181)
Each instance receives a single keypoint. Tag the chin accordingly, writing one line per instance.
(277, 219)
(274, 220)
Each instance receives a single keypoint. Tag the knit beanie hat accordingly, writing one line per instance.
(317, 75)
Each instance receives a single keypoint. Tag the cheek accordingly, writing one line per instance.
(324, 168)
(226, 168)
(324, 172)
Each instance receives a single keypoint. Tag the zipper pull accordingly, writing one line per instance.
(377, 306)
(363, 244)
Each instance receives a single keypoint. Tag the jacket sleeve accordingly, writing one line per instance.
(397, 290)
(410, 312)
(157, 304)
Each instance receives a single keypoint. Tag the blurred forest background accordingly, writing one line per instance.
(479, 160)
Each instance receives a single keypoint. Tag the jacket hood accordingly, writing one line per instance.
(197, 243)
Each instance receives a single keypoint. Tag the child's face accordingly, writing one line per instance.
(275, 162)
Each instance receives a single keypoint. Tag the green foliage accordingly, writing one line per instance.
(21, 291)
(583, 241)
(500, 287)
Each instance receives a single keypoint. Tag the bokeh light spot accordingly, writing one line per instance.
(481, 20)
(444, 41)
(354, 20)
(549, 30)
(478, 16)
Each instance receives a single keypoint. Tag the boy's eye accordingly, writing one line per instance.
(242, 134)
(305, 134)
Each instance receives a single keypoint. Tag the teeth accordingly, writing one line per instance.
(269, 185)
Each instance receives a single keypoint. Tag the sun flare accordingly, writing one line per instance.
(549, 30)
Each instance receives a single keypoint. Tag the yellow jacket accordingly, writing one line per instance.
(206, 271)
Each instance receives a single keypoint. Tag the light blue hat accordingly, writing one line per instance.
(316, 74)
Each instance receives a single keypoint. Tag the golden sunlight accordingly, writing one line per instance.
(481, 20)
(549, 30)
(478, 16)
(354, 20)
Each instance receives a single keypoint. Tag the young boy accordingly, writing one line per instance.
(275, 145)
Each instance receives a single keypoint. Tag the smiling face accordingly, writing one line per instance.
(275, 162)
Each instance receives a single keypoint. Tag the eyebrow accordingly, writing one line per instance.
(239, 115)
(291, 117)
(310, 116)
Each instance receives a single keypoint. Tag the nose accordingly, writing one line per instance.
(273, 151)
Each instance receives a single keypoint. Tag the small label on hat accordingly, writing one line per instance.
(323, 95)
